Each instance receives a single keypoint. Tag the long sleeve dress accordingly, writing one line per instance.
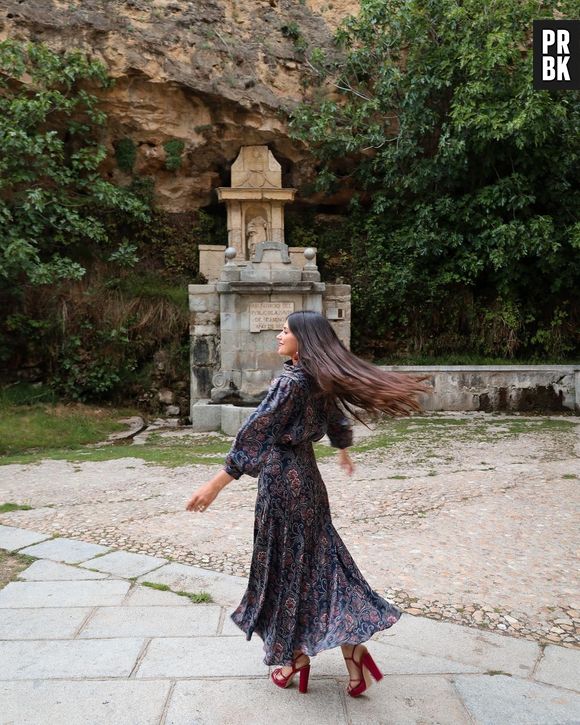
(304, 592)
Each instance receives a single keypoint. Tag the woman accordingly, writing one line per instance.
(305, 593)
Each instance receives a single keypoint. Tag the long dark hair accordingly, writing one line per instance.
(340, 375)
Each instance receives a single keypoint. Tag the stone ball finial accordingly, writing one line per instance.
(230, 254)
(309, 253)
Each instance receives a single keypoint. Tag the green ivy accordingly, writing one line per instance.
(52, 196)
(173, 151)
(125, 153)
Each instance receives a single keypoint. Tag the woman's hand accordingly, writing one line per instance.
(344, 461)
(205, 494)
(202, 498)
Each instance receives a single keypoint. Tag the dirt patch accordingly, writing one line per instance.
(11, 565)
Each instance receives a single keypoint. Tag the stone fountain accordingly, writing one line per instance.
(254, 283)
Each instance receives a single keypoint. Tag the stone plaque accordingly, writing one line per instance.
(269, 315)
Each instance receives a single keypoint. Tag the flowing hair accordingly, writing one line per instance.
(341, 375)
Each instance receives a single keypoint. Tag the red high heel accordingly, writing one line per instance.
(367, 667)
(279, 679)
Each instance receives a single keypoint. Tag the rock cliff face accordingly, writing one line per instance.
(213, 74)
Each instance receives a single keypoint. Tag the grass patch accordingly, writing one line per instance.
(26, 394)
(159, 450)
(196, 597)
(322, 451)
(7, 507)
(169, 457)
(31, 434)
(40, 427)
(569, 475)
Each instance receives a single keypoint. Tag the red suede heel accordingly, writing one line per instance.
(304, 675)
(366, 661)
(279, 679)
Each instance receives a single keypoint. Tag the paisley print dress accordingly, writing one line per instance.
(304, 592)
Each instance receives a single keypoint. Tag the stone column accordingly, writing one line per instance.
(204, 335)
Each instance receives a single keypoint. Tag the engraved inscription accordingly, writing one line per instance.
(269, 315)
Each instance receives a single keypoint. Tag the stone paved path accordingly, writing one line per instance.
(462, 520)
(84, 641)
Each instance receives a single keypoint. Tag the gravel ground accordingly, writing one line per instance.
(460, 519)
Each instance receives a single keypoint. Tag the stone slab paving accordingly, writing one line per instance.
(181, 577)
(484, 650)
(123, 564)
(559, 667)
(401, 700)
(70, 551)
(93, 702)
(143, 596)
(130, 654)
(57, 623)
(46, 570)
(501, 699)
(81, 659)
(252, 702)
(167, 622)
(202, 657)
(108, 592)
(12, 538)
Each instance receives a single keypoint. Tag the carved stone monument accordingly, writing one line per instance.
(236, 317)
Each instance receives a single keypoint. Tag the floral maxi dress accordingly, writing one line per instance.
(304, 591)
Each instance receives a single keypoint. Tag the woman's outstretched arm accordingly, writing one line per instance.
(253, 441)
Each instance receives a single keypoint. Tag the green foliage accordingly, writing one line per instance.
(125, 153)
(173, 151)
(465, 231)
(95, 339)
(93, 363)
(51, 193)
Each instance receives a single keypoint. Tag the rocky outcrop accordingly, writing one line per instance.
(212, 74)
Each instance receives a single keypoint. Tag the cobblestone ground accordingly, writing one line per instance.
(475, 523)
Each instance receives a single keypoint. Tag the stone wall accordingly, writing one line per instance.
(524, 388)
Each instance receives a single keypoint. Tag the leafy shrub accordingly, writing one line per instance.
(465, 176)
(51, 193)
